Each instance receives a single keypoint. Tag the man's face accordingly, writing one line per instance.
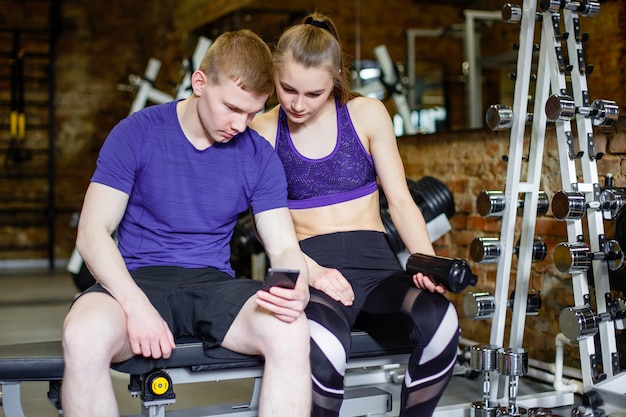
(225, 109)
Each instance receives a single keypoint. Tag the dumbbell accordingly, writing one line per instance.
(484, 359)
(562, 108)
(570, 258)
(588, 8)
(611, 201)
(500, 117)
(479, 305)
(487, 250)
(513, 362)
(533, 302)
(482, 305)
(490, 203)
(580, 322)
(571, 205)
(512, 13)
(454, 274)
(540, 412)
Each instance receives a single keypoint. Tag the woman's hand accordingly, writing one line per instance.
(332, 283)
(424, 282)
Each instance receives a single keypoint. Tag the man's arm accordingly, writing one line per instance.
(102, 211)
(276, 231)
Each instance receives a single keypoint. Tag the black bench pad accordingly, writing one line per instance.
(43, 361)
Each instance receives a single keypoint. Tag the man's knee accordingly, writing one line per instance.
(292, 339)
(92, 334)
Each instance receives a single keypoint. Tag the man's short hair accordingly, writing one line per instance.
(243, 57)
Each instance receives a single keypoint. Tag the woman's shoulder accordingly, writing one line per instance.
(364, 104)
(367, 110)
(266, 124)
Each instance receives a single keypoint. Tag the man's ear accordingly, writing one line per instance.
(198, 81)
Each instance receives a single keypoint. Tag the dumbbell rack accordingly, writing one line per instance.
(552, 70)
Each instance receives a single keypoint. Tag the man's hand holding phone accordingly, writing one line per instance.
(284, 278)
(280, 295)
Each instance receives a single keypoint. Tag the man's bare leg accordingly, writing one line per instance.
(94, 334)
(286, 389)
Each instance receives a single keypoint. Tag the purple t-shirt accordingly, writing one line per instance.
(184, 203)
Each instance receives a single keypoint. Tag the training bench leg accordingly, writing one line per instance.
(11, 399)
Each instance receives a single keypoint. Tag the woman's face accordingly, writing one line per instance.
(302, 91)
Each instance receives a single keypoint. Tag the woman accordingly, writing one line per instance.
(336, 147)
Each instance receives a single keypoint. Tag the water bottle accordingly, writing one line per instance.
(454, 274)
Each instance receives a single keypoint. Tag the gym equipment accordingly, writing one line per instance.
(484, 359)
(486, 250)
(454, 274)
(490, 203)
(577, 257)
(563, 108)
(479, 305)
(435, 201)
(513, 362)
(572, 205)
(482, 305)
(611, 201)
(540, 412)
(586, 8)
(471, 67)
(560, 99)
(581, 322)
(392, 83)
(533, 302)
(154, 381)
(500, 117)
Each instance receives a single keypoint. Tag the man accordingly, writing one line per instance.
(173, 180)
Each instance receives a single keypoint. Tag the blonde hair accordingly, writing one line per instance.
(243, 57)
(315, 44)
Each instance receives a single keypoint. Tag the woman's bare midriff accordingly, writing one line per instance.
(360, 214)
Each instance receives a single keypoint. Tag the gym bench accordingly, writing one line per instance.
(153, 380)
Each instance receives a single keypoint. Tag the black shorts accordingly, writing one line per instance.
(365, 258)
(194, 302)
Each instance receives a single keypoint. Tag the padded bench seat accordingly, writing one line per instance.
(188, 363)
(43, 361)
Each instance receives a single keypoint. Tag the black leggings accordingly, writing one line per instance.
(389, 307)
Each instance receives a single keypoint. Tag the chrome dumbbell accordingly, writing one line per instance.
(482, 305)
(500, 117)
(479, 305)
(580, 322)
(572, 205)
(540, 411)
(512, 13)
(611, 201)
(513, 362)
(562, 108)
(585, 8)
(570, 258)
(533, 302)
(484, 359)
(487, 250)
(490, 203)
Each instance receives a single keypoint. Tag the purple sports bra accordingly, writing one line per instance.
(347, 173)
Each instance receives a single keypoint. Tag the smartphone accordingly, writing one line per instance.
(277, 277)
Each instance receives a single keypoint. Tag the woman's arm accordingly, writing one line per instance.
(374, 123)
